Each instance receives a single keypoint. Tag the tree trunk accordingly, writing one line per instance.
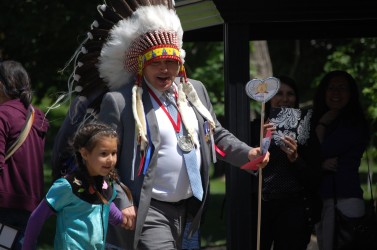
(260, 59)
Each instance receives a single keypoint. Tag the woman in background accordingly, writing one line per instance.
(289, 179)
(21, 175)
(342, 130)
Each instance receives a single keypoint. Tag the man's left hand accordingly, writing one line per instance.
(256, 152)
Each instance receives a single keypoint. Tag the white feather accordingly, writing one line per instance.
(192, 96)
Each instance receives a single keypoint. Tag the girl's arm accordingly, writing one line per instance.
(115, 215)
(35, 224)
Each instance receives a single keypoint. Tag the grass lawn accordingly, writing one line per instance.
(364, 179)
(213, 231)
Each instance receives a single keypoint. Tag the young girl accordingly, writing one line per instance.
(82, 200)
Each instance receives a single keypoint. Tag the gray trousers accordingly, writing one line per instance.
(163, 227)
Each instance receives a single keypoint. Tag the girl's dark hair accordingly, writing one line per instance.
(87, 137)
(292, 84)
(15, 81)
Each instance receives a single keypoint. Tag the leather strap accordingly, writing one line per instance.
(24, 133)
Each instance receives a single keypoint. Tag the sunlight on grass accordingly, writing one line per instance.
(218, 185)
(213, 230)
(363, 172)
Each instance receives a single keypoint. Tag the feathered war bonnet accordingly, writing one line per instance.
(126, 36)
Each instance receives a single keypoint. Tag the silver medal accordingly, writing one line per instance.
(185, 143)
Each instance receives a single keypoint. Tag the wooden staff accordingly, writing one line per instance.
(260, 179)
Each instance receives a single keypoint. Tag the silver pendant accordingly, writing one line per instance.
(185, 143)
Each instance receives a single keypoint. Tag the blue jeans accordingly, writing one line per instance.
(194, 242)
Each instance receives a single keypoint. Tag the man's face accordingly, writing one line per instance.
(161, 73)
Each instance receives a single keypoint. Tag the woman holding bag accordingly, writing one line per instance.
(342, 130)
(21, 174)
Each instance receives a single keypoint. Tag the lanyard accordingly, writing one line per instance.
(177, 126)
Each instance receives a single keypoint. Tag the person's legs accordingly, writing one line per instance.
(291, 231)
(192, 243)
(163, 227)
(267, 227)
(325, 227)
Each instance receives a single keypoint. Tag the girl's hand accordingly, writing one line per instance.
(129, 218)
(290, 148)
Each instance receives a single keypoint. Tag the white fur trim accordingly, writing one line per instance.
(138, 112)
(192, 96)
(183, 110)
(144, 19)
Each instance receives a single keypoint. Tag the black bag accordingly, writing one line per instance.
(356, 233)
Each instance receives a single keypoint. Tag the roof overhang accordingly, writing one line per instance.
(203, 20)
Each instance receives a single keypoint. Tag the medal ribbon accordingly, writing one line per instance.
(177, 126)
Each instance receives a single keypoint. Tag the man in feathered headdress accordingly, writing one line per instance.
(169, 134)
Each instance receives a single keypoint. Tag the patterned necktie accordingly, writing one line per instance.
(189, 157)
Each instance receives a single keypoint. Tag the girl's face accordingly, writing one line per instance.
(101, 160)
(337, 93)
(285, 97)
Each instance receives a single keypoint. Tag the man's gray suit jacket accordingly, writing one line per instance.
(116, 110)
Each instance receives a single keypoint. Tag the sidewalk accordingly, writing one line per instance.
(312, 245)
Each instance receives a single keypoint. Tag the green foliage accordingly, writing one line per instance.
(42, 35)
(205, 62)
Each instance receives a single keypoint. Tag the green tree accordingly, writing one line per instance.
(205, 61)
(42, 35)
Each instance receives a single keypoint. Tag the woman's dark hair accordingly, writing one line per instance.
(352, 112)
(87, 137)
(292, 84)
(15, 81)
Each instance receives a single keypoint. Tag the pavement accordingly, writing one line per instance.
(313, 243)
(311, 246)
